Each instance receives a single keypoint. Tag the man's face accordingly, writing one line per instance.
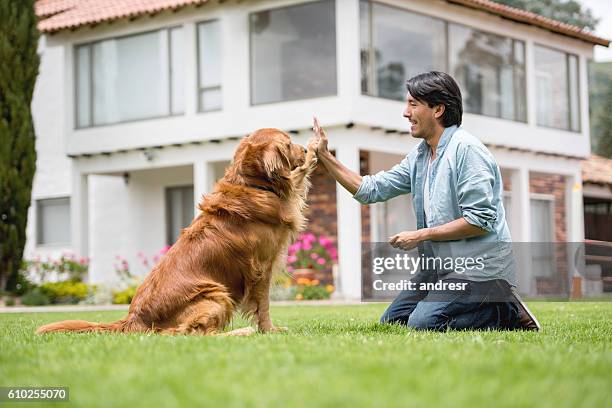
(421, 116)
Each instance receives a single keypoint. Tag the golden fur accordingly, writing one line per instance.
(225, 259)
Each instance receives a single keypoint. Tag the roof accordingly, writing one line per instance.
(597, 170)
(57, 15)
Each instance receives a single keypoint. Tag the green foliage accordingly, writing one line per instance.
(35, 297)
(67, 266)
(600, 106)
(18, 72)
(66, 292)
(9, 301)
(310, 291)
(125, 296)
(567, 11)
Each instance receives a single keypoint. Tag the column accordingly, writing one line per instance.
(79, 214)
(521, 229)
(202, 175)
(349, 230)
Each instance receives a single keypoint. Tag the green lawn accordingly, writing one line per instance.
(332, 356)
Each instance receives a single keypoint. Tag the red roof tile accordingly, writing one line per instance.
(59, 15)
(597, 170)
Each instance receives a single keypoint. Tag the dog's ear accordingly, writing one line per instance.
(276, 163)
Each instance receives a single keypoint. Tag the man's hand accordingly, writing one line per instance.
(407, 240)
(321, 136)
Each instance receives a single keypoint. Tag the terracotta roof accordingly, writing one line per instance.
(527, 17)
(56, 15)
(597, 170)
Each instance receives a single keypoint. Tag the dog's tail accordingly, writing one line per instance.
(82, 326)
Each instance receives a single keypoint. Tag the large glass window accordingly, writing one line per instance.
(293, 52)
(129, 78)
(490, 71)
(209, 66)
(53, 221)
(179, 211)
(542, 237)
(557, 91)
(395, 46)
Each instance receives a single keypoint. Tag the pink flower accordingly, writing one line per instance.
(321, 261)
(290, 269)
(307, 246)
(314, 255)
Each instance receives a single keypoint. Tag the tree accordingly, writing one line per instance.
(600, 106)
(566, 11)
(604, 123)
(18, 71)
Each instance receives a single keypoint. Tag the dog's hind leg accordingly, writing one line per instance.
(208, 313)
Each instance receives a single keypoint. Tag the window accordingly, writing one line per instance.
(395, 46)
(293, 52)
(542, 237)
(53, 221)
(209, 66)
(557, 91)
(490, 71)
(130, 78)
(179, 211)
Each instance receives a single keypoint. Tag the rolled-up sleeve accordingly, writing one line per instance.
(475, 183)
(385, 185)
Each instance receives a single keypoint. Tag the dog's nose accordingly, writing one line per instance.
(305, 150)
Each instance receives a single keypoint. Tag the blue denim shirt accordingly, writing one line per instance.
(465, 181)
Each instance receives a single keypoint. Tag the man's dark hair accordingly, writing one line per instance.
(438, 88)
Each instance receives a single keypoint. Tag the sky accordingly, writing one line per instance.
(602, 9)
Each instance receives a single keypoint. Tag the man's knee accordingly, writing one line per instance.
(422, 321)
(394, 318)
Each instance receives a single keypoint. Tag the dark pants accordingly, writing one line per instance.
(483, 305)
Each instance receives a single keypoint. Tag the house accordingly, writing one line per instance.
(139, 106)
(597, 181)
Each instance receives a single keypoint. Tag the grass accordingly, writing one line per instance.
(332, 356)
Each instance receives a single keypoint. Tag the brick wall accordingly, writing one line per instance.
(321, 212)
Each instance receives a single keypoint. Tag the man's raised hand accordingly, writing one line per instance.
(322, 137)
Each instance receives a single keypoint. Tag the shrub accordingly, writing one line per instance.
(67, 266)
(66, 292)
(310, 289)
(125, 296)
(35, 297)
(9, 301)
(311, 252)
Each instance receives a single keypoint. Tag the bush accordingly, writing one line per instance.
(9, 301)
(124, 297)
(307, 289)
(35, 297)
(71, 292)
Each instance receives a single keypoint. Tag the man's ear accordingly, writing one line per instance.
(276, 164)
(439, 111)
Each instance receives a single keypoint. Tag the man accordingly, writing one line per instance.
(457, 196)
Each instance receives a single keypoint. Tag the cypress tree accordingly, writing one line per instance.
(18, 70)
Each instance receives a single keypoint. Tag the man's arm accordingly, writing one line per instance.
(343, 175)
(457, 229)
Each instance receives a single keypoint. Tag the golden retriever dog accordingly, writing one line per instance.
(225, 259)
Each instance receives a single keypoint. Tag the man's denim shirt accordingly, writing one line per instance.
(464, 182)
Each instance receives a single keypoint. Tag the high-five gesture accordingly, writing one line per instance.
(320, 134)
(347, 178)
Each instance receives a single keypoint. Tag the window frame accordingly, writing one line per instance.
(90, 46)
(199, 89)
(168, 209)
(568, 93)
(39, 229)
(371, 68)
(447, 23)
(251, 82)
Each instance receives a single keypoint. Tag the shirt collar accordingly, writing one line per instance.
(444, 139)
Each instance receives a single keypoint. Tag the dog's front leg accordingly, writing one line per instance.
(299, 176)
